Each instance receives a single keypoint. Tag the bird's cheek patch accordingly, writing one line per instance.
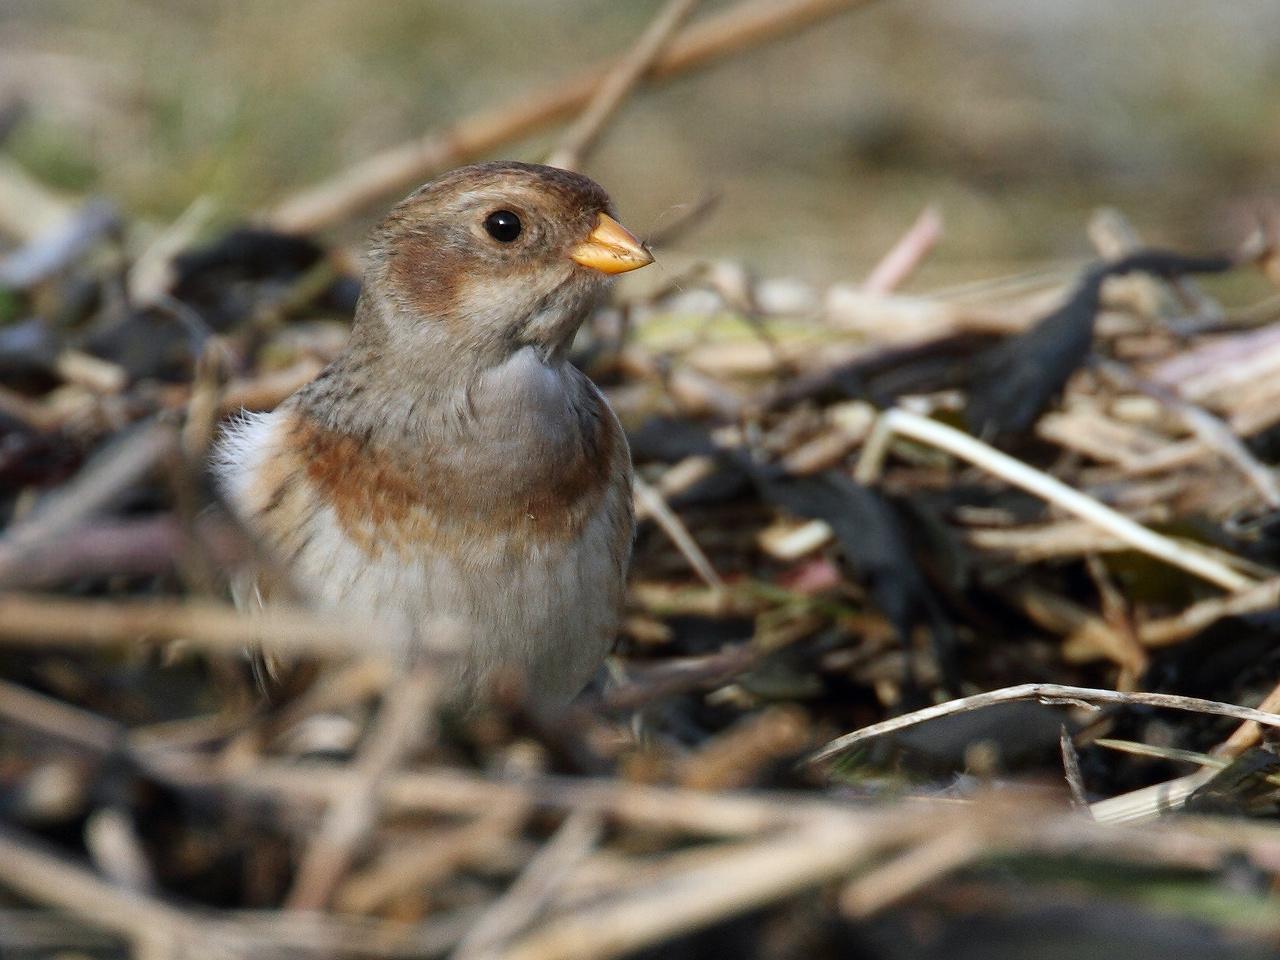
(428, 278)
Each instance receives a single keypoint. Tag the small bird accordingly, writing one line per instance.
(451, 474)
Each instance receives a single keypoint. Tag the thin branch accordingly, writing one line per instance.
(904, 256)
(1162, 753)
(918, 867)
(1209, 429)
(739, 28)
(441, 791)
(1071, 769)
(429, 859)
(1201, 615)
(586, 130)
(1249, 733)
(46, 878)
(396, 731)
(651, 503)
(149, 545)
(152, 272)
(63, 721)
(1148, 803)
(677, 675)
(1045, 692)
(745, 876)
(459, 792)
(30, 621)
(43, 876)
(537, 884)
(122, 465)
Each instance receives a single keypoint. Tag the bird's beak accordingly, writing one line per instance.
(611, 248)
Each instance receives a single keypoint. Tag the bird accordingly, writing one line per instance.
(451, 474)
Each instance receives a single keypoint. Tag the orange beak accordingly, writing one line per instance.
(611, 248)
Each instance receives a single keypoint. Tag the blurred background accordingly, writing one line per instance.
(1015, 120)
(1014, 117)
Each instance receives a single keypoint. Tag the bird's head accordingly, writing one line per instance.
(492, 258)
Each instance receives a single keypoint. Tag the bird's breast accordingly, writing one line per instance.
(405, 498)
(516, 542)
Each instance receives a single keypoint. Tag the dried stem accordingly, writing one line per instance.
(901, 260)
(1249, 733)
(147, 922)
(739, 28)
(462, 793)
(1071, 769)
(127, 461)
(677, 675)
(1047, 692)
(163, 929)
(515, 910)
(396, 731)
(1149, 803)
(59, 720)
(1209, 429)
(39, 621)
(651, 503)
(429, 859)
(917, 427)
(1198, 616)
(586, 130)
(918, 867)
(745, 876)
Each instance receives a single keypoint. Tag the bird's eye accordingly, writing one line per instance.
(503, 225)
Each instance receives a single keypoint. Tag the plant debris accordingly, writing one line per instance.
(901, 558)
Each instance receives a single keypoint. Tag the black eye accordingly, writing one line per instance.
(503, 225)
